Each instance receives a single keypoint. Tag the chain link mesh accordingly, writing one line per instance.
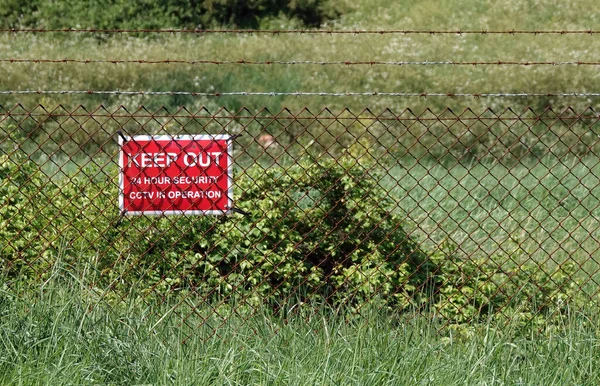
(459, 215)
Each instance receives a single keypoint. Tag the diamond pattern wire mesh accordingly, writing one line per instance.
(461, 215)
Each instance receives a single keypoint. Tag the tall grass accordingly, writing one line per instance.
(63, 335)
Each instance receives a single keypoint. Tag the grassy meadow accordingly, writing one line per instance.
(543, 206)
(547, 208)
(359, 15)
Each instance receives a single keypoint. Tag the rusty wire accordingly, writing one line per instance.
(457, 32)
(306, 94)
(305, 62)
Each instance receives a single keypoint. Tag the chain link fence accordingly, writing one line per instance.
(461, 216)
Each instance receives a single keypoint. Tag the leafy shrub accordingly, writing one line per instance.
(321, 228)
(315, 231)
(512, 286)
(22, 192)
(325, 228)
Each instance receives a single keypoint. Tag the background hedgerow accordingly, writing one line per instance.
(162, 14)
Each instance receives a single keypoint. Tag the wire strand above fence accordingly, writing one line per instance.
(457, 32)
(304, 94)
(306, 62)
(324, 114)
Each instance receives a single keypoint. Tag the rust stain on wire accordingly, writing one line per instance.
(306, 94)
(303, 31)
(306, 62)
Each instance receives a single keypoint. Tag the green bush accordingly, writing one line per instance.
(23, 192)
(513, 286)
(321, 231)
(324, 228)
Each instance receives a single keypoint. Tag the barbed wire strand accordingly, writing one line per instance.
(300, 93)
(305, 62)
(301, 31)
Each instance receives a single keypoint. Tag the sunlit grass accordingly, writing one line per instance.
(470, 15)
(544, 211)
(548, 210)
(552, 203)
(65, 335)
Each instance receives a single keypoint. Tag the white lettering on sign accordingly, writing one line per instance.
(184, 174)
(196, 194)
(181, 180)
(164, 160)
(202, 159)
(152, 160)
(187, 180)
(141, 195)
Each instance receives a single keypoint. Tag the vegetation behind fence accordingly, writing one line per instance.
(459, 215)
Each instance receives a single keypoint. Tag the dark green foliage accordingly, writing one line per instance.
(14, 13)
(22, 191)
(327, 229)
(249, 13)
(151, 14)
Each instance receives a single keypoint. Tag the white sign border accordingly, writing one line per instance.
(199, 137)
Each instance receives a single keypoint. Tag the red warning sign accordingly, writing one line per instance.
(187, 174)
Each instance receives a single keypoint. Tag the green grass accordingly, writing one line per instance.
(64, 335)
(546, 207)
(539, 211)
(363, 14)
(547, 210)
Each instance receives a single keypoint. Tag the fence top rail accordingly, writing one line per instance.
(430, 32)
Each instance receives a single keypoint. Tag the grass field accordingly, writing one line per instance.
(548, 208)
(369, 15)
(62, 337)
(546, 211)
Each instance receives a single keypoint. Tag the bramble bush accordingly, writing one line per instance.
(326, 228)
(20, 229)
(317, 231)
